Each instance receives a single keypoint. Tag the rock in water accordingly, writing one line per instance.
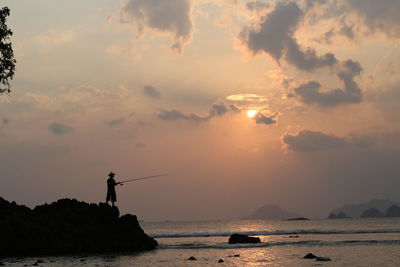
(310, 256)
(238, 238)
(220, 261)
(192, 258)
(68, 226)
(298, 219)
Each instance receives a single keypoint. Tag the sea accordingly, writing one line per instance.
(346, 242)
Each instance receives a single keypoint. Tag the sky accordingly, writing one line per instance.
(242, 103)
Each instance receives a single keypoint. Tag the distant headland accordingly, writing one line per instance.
(68, 226)
(371, 209)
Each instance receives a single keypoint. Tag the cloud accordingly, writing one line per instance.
(217, 109)
(151, 92)
(140, 145)
(274, 35)
(56, 37)
(381, 16)
(115, 122)
(172, 17)
(262, 119)
(310, 141)
(310, 92)
(355, 18)
(173, 115)
(256, 5)
(59, 128)
(128, 51)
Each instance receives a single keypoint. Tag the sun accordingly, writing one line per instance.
(251, 113)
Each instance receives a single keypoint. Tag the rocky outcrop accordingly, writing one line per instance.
(393, 211)
(68, 227)
(371, 213)
(238, 238)
(340, 215)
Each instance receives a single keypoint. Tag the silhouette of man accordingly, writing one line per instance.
(111, 194)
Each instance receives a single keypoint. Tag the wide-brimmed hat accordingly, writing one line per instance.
(111, 174)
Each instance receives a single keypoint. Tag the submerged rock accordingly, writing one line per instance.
(220, 260)
(68, 226)
(192, 258)
(238, 238)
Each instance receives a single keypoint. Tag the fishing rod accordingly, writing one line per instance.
(142, 178)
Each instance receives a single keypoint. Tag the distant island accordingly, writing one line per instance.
(68, 226)
(298, 219)
(339, 215)
(372, 209)
(269, 212)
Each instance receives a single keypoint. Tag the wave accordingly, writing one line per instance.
(277, 232)
(274, 244)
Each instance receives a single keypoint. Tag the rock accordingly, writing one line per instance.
(293, 236)
(393, 211)
(298, 219)
(371, 213)
(220, 260)
(238, 238)
(191, 258)
(310, 256)
(323, 259)
(68, 226)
